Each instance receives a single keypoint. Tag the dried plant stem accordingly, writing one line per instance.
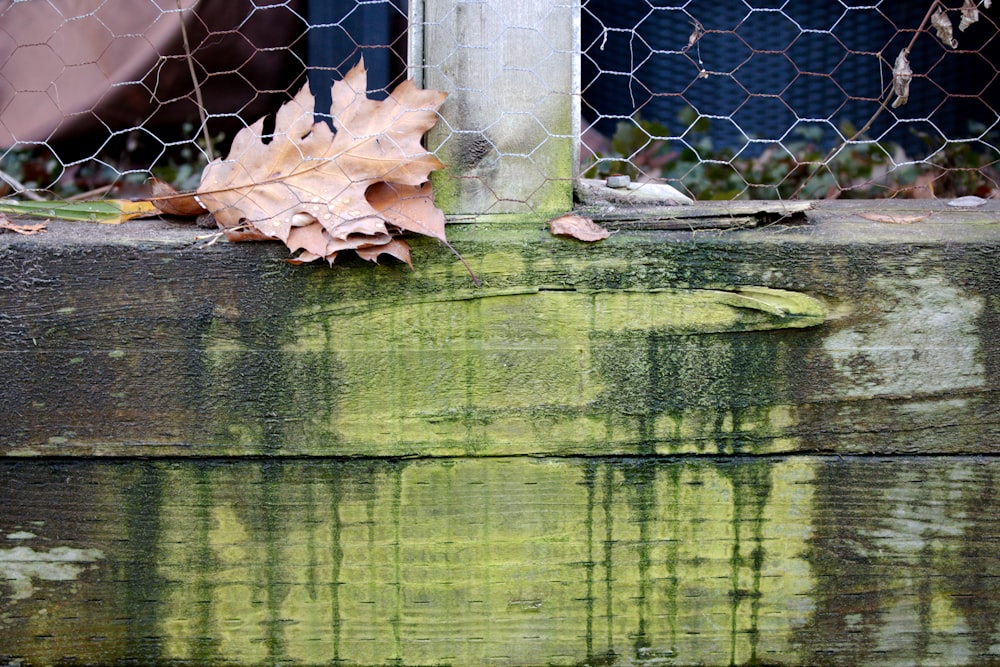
(197, 87)
(92, 194)
(878, 112)
(211, 238)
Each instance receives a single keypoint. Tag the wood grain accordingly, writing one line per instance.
(509, 561)
(143, 342)
(666, 448)
(508, 128)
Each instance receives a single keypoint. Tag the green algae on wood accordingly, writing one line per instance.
(503, 368)
(509, 561)
(544, 315)
(650, 342)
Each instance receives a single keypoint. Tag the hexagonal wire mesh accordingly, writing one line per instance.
(511, 119)
(98, 93)
(773, 98)
(725, 98)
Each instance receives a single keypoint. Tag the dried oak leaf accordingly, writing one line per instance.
(578, 227)
(322, 191)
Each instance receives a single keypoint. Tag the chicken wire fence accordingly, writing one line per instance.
(720, 98)
(98, 93)
(782, 98)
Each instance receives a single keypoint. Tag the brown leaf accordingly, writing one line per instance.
(26, 230)
(312, 238)
(577, 227)
(411, 208)
(696, 34)
(397, 248)
(169, 201)
(241, 234)
(894, 219)
(322, 191)
(316, 240)
(306, 257)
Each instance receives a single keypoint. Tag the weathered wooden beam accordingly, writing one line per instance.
(836, 335)
(509, 561)
(509, 128)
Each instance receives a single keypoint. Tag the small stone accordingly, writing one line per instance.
(618, 181)
(971, 200)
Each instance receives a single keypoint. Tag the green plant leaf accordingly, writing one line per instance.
(104, 211)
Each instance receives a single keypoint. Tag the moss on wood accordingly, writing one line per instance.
(509, 561)
(757, 341)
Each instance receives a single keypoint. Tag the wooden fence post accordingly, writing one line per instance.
(510, 127)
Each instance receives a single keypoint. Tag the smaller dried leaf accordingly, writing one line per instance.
(970, 14)
(306, 257)
(242, 234)
(893, 219)
(317, 240)
(26, 230)
(169, 201)
(942, 25)
(902, 75)
(696, 34)
(312, 238)
(578, 227)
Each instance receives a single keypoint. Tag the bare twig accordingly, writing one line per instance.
(197, 87)
(20, 187)
(472, 274)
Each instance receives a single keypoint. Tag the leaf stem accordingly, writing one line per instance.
(475, 280)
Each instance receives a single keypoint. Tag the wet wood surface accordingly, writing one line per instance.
(769, 446)
(139, 340)
(512, 561)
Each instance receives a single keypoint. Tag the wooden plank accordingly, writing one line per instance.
(511, 121)
(619, 215)
(510, 561)
(139, 341)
